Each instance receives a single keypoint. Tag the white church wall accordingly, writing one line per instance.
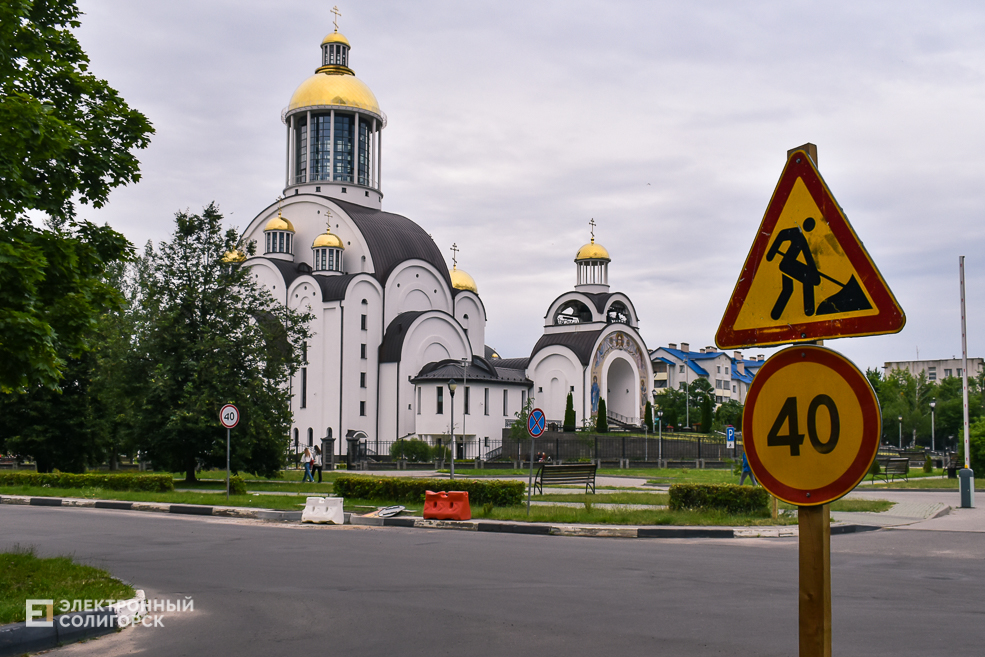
(472, 316)
(554, 370)
(269, 277)
(415, 285)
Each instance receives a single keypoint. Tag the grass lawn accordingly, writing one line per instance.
(266, 486)
(608, 498)
(286, 476)
(869, 506)
(281, 502)
(23, 575)
(596, 516)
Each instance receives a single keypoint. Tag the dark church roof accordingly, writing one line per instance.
(580, 342)
(333, 287)
(393, 338)
(393, 239)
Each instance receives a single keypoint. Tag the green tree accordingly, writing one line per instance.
(728, 413)
(601, 418)
(212, 335)
(671, 402)
(648, 416)
(977, 440)
(569, 413)
(706, 413)
(66, 135)
(518, 430)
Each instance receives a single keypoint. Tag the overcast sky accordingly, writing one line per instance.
(512, 124)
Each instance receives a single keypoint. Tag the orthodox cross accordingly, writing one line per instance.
(454, 256)
(335, 10)
(328, 221)
(592, 222)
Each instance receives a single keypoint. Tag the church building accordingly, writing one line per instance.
(394, 326)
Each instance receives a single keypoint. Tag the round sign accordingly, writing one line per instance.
(811, 425)
(229, 416)
(536, 423)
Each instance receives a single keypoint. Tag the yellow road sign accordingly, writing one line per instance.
(811, 426)
(807, 275)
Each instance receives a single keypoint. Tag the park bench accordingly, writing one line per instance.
(892, 467)
(579, 473)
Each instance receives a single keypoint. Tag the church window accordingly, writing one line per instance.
(485, 402)
(295, 438)
(311, 436)
(618, 313)
(506, 402)
(321, 147)
(280, 246)
(418, 401)
(362, 322)
(467, 398)
(440, 407)
(572, 312)
(362, 408)
(343, 164)
(362, 379)
(362, 351)
(301, 148)
(523, 398)
(268, 243)
(304, 387)
(364, 154)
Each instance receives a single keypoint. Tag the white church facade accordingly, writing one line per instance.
(393, 324)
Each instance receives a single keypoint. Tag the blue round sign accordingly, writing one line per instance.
(536, 423)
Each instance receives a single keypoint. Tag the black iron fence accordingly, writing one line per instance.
(598, 447)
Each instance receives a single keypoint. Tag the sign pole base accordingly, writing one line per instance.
(815, 580)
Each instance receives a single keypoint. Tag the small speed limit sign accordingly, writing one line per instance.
(811, 426)
(229, 416)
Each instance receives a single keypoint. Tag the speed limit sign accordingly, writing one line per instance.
(812, 425)
(229, 416)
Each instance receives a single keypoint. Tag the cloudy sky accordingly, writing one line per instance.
(512, 124)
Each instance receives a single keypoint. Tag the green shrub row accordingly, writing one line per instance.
(410, 489)
(418, 451)
(728, 498)
(153, 483)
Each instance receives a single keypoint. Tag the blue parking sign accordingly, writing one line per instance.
(730, 437)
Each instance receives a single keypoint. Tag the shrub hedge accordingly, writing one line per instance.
(237, 486)
(728, 498)
(154, 483)
(411, 489)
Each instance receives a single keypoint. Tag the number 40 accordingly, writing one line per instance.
(793, 438)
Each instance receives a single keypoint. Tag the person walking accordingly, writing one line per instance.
(316, 462)
(746, 471)
(306, 460)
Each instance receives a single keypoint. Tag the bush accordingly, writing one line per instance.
(440, 452)
(416, 451)
(874, 469)
(601, 418)
(412, 489)
(237, 486)
(928, 465)
(728, 498)
(154, 483)
(569, 414)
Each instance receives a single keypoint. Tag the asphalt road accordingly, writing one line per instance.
(262, 589)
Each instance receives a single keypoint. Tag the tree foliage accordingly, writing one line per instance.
(602, 418)
(903, 395)
(65, 134)
(685, 405)
(569, 413)
(211, 335)
(648, 416)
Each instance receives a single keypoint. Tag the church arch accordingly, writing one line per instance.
(621, 389)
(572, 311)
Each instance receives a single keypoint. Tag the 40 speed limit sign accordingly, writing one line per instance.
(812, 425)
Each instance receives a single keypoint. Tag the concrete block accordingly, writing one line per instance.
(323, 510)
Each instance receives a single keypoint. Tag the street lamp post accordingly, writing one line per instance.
(451, 389)
(660, 435)
(900, 418)
(687, 392)
(466, 400)
(932, 431)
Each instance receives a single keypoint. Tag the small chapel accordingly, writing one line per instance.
(398, 342)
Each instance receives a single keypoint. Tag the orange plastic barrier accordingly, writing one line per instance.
(451, 505)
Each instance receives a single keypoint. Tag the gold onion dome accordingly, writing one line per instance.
(460, 280)
(327, 239)
(335, 37)
(334, 84)
(279, 223)
(235, 255)
(592, 251)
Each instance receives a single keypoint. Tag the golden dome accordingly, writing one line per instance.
(233, 256)
(460, 280)
(327, 239)
(334, 89)
(592, 251)
(279, 223)
(335, 37)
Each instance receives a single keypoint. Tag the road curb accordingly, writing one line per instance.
(270, 515)
(19, 639)
(541, 529)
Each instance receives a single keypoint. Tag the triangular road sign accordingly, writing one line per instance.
(807, 275)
